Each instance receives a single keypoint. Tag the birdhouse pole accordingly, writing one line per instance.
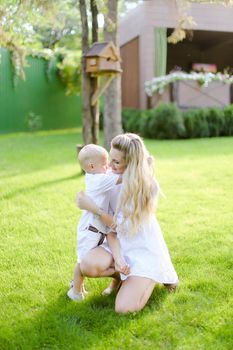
(100, 90)
(102, 61)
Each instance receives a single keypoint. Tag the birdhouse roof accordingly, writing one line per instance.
(104, 49)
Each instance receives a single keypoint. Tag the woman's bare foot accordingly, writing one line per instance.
(171, 287)
(114, 286)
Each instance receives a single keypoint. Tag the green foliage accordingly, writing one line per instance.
(131, 120)
(195, 122)
(228, 121)
(208, 122)
(43, 29)
(146, 115)
(69, 69)
(164, 122)
(215, 120)
(168, 122)
(33, 121)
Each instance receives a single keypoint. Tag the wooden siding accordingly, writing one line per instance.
(141, 21)
(164, 13)
(130, 75)
(190, 94)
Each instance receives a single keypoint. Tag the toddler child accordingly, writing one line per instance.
(91, 231)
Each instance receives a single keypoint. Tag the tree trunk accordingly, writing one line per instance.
(94, 80)
(89, 84)
(112, 96)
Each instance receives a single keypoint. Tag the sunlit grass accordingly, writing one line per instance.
(39, 179)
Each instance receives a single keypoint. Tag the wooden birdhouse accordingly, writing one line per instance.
(103, 58)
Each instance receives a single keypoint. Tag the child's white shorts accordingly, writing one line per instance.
(86, 241)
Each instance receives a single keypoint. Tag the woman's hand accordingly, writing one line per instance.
(85, 202)
(121, 266)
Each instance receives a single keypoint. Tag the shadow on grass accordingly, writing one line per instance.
(24, 154)
(40, 185)
(90, 324)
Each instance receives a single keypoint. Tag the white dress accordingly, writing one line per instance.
(146, 252)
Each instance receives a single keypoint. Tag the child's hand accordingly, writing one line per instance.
(79, 199)
(121, 266)
(85, 202)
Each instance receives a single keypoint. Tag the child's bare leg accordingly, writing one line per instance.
(97, 263)
(77, 291)
(78, 283)
(113, 286)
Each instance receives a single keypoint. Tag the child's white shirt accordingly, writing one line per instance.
(98, 188)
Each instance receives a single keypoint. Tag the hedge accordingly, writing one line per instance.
(168, 122)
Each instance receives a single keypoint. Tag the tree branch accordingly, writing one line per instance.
(94, 12)
(85, 31)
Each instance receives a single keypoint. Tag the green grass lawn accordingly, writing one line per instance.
(39, 177)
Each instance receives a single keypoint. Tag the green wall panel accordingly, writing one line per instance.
(38, 94)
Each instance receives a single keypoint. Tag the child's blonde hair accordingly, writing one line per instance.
(139, 188)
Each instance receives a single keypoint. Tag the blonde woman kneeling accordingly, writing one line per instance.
(142, 243)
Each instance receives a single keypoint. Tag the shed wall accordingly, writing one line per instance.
(130, 75)
(141, 22)
(164, 13)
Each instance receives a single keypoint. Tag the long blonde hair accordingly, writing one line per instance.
(139, 190)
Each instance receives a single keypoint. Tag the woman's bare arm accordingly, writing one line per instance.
(114, 244)
(86, 203)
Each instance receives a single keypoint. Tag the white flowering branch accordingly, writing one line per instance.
(158, 84)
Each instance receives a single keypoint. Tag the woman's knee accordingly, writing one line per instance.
(123, 308)
(133, 294)
(127, 304)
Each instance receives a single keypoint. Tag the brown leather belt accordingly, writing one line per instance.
(94, 229)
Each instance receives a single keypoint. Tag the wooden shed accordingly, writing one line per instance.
(141, 34)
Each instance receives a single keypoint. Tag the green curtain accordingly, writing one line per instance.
(160, 51)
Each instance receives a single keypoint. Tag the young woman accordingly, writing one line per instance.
(143, 247)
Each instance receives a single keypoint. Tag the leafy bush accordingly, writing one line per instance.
(165, 122)
(69, 70)
(228, 121)
(144, 121)
(33, 121)
(215, 120)
(131, 120)
(195, 122)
